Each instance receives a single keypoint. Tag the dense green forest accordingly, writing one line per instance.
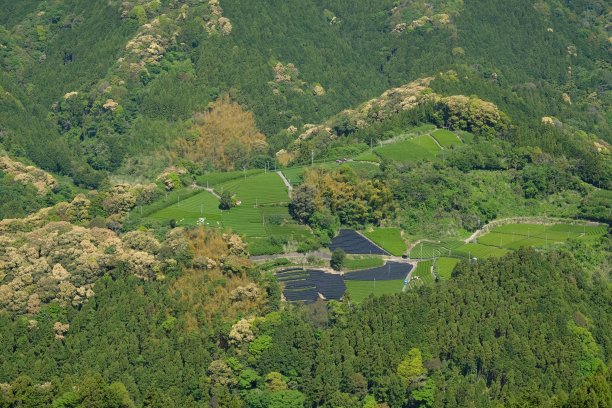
(64, 61)
(479, 340)
(421, 120)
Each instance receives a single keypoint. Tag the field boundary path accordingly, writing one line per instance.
(409, 276)
(415, 243)
(526, 220)
(210, 190)
(213, 192)
(438, 143)
(287, 183)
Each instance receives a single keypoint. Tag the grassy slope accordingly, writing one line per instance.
(432, 249)
(267, 188)
(444, 267)
(360, 290)
(354, 263)
(405, 151)
(446, 138)
(215, 178)
(390, 239)
(480, 251)
(254, 222)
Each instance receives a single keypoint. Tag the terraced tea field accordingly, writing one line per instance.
(357, 262)
(361, 290)
(503, 239)
(389, 239)
(188, 211)
(444, 267)
(267, 188)
(423, 272)
(514, 236)
(479, 251)
(263, 212)
(214, 179)
(430, 249)
(446, 138)
(412, 150)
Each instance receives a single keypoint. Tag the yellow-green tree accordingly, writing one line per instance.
(225, 136)
(411, 369)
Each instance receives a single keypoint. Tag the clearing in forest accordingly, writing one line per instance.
(262, 214)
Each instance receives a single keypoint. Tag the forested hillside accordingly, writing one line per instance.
(528, 330)
(176, 178)
(113, 83)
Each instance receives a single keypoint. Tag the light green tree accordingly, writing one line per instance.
(410, 369)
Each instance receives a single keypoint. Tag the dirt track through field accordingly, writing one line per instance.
(287, 183)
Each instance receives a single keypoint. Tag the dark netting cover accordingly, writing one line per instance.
(295, 295)
(390, 271)
(329, 285)
(353, 243)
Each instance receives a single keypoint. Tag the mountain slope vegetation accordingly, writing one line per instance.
(342, 53)
(169, 167)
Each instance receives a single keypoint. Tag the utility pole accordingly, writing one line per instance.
(312, 158)
(201, 209)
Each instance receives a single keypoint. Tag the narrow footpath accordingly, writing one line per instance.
(287, 183)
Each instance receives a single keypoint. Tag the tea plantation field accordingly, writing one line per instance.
(389, 239)
(446, 138)
(503, 239)
(360, 290)
(262, 215)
